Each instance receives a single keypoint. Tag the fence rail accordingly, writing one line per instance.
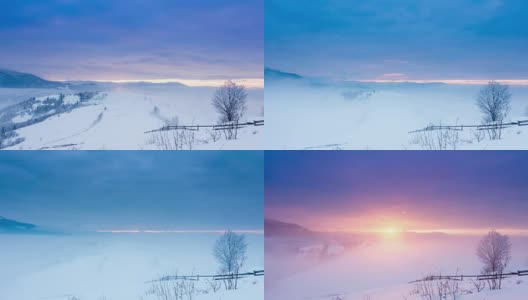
(478, 127)
(478, 277)
(214, 127)
(214, 277)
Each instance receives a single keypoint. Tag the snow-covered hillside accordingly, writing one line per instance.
(116, 266)
(381, 268)
(118, 116)
(319, 114)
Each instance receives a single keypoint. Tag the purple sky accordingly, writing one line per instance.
(410, 190)
(133, 40)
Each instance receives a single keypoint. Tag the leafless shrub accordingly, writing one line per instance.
(442, 139)
(173, 290)
(426, 290)
(166, 140)
(230, 252)
(165, 290)
(438, 289)
(494, 251)
(442, 289)
(229, 101)
(188, 139)
(177, 139)
(188, 287)
(493, 101)
(214, 135)
(478, 284)
(214, 285)
(479, 135)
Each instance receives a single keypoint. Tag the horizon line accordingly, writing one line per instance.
(461, 231)
(247, 82)
(216, 231)
(521, 82)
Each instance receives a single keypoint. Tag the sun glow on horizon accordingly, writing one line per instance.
(391, 231)
(394, 231)
(247, 82)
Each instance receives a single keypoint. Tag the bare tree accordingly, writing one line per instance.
(493, 101)
(229, 101)
(494, 251)
(230, 252)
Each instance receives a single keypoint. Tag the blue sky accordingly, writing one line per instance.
(94, 190)
(133, 39)
(398, 39)
(418, 190)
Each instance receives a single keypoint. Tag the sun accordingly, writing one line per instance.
(391, 231)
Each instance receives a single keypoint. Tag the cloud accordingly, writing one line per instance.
(122, 189)
(394, 76)
(84, 40)
(451, 39)
(369, 188)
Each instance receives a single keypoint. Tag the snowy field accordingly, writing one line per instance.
(120, 119)
(379, 268)
(317, 114)
(115, 266)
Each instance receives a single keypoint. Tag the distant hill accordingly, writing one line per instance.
(274, 227)
(13, 79)
(11, 226)
(276, 74)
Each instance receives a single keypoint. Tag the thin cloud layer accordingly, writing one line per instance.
(116, 190)
(421, 40)
(133, 40)
(408, 190)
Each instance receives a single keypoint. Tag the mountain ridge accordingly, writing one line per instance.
(275, 227)
(278, 74)
(15, 79)
(12, 226)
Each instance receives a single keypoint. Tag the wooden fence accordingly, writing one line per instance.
(478, 277)
(214, 277)
(478, 127)
(225, 126)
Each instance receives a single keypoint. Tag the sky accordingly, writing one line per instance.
(133, 190)
(398, 40)
(167, 40)
(421, 191)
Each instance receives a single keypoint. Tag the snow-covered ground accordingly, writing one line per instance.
(114, 266)
(380, 268)
(120, 119)
(317, 114)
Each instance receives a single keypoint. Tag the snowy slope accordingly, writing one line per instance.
(319, 114)
(381, 269)
(115, 266)
(121, 118)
